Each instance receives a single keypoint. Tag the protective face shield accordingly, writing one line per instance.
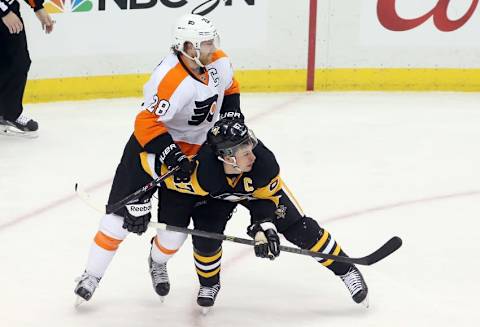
(200, 32)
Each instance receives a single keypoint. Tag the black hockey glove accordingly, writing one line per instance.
(137, 215)
(233, 115)
(172, 156)
(267, 243)
(231, 108)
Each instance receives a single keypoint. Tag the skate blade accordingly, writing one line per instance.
(365, 303)
(78, 301)
(205, 310)
(11, 131)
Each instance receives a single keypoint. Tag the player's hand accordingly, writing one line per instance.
(137, 217)
(13, 23)
(45, 19)
(175, 157)
(233, 115)
(267, 242)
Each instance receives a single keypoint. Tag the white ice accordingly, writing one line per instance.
(366, 166)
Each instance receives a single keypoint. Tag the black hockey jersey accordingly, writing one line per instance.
(260, 186)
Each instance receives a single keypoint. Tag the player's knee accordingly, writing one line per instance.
(170, 241)
(110, 232)
(111, 224)
(304, 233)
(206, 246)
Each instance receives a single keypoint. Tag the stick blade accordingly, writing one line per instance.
(388, 248)
(85, 197)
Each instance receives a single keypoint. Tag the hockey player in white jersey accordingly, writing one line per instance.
(187, 93)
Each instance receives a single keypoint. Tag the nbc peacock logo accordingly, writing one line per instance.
(63, 6)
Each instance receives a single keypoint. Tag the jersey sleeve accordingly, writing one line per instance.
(267, 184)
(205, 179)
(154, 168)
(211, 174)
(266, 167)
(6, 6)
(35, 4)
(231, 84)
(163, 98)
(231, 101)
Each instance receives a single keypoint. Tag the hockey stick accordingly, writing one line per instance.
(384, 251)
(111, 208)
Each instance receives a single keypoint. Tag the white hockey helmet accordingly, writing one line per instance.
(194, 29)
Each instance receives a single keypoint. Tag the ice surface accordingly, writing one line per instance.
(367, 166)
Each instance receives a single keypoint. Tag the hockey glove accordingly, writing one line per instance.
(231, 108)
(172, 156)
(267, 243)
(233, 115)
(137, 216)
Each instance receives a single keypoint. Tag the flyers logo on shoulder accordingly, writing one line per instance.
(201, 7)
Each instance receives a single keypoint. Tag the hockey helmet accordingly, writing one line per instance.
(227, 136)
(194, 29)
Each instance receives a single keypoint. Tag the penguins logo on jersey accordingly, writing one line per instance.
(216, 130)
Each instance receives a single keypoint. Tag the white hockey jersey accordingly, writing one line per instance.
(183, 104)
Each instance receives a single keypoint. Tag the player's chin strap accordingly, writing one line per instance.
(196, 59)
(233, 164)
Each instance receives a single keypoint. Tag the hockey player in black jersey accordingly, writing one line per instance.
(234, 168)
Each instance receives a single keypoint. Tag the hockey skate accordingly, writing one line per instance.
(206, 297)
(22, 126)
(87, 284)
(356, 285)
(160, 281)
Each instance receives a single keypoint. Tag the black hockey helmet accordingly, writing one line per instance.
(228, 135)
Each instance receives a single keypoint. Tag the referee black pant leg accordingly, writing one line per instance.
(14, 66)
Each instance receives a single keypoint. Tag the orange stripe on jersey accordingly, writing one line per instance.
(106, 242)
(218, 54)
(234, 88)
(187, 148)
(163, 249)
(147, 127)
(171, 81)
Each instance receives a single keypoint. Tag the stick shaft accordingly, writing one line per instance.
(389, 247)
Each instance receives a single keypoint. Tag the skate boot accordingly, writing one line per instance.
(159, 274)
(206, 297)
(85, 288)
(22, 126)
(356, 285)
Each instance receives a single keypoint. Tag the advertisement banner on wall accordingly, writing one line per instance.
(426, 23)
(109, 36)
